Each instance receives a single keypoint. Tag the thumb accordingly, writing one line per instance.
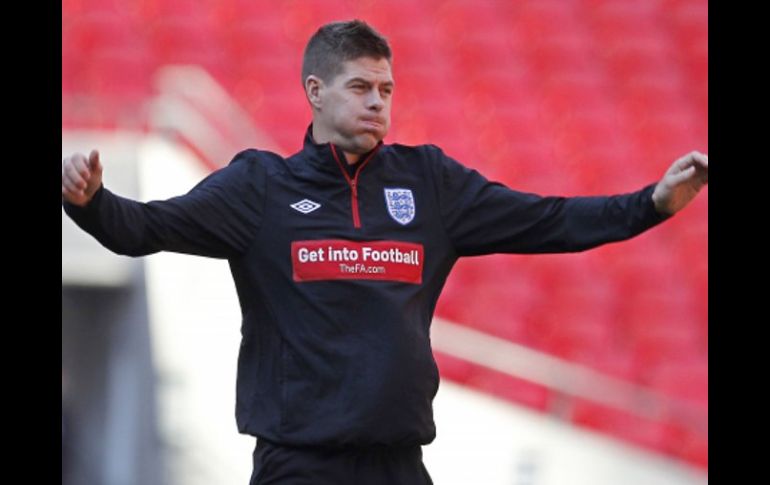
(93, 162)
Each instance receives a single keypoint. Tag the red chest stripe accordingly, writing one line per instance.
(338, 259)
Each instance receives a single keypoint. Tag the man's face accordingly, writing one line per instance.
(354, 107)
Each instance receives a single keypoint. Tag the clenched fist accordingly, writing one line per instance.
(80, 178)
(681, 183)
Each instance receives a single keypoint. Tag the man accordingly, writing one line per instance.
(339, 254)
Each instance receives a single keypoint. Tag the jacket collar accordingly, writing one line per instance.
(320, 154)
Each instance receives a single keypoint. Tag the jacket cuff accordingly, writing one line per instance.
(91, 208)
(651, 214)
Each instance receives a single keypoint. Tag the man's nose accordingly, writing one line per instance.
(374, 101)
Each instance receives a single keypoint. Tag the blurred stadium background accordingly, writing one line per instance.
(588, 368)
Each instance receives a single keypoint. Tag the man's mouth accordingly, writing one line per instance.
(376, 123)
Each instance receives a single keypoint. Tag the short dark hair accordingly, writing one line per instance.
(337, 42)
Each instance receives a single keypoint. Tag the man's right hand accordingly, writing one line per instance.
(80, 178)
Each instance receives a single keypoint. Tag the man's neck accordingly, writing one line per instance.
(351, 158)
(321, 136)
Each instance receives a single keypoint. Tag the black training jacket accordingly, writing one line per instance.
(338, 275)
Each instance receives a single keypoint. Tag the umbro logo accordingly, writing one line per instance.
(305, 206)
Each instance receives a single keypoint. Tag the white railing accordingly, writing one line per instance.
(561, 375)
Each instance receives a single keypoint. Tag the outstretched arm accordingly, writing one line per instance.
(681, 183)
(483, 217)
(219, 217)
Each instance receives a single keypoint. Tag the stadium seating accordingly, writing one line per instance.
(574, 97)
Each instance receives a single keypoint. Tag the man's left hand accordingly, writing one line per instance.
(681, 183)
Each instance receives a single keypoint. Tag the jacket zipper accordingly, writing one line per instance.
(353, 183)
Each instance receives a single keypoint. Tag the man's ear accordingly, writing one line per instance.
(313, 87)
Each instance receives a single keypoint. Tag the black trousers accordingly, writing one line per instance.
(281, 465)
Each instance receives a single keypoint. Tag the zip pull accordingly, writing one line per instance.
(353, 182)
(354, 203)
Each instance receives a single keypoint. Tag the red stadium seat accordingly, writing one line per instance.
(686, 380)
(642, 431)
(517, 390)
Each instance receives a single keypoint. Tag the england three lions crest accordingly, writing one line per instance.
(400, 204)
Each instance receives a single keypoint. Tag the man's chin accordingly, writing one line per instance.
(367, 141)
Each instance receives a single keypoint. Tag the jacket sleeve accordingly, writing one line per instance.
(219, 217)
(483, 217)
